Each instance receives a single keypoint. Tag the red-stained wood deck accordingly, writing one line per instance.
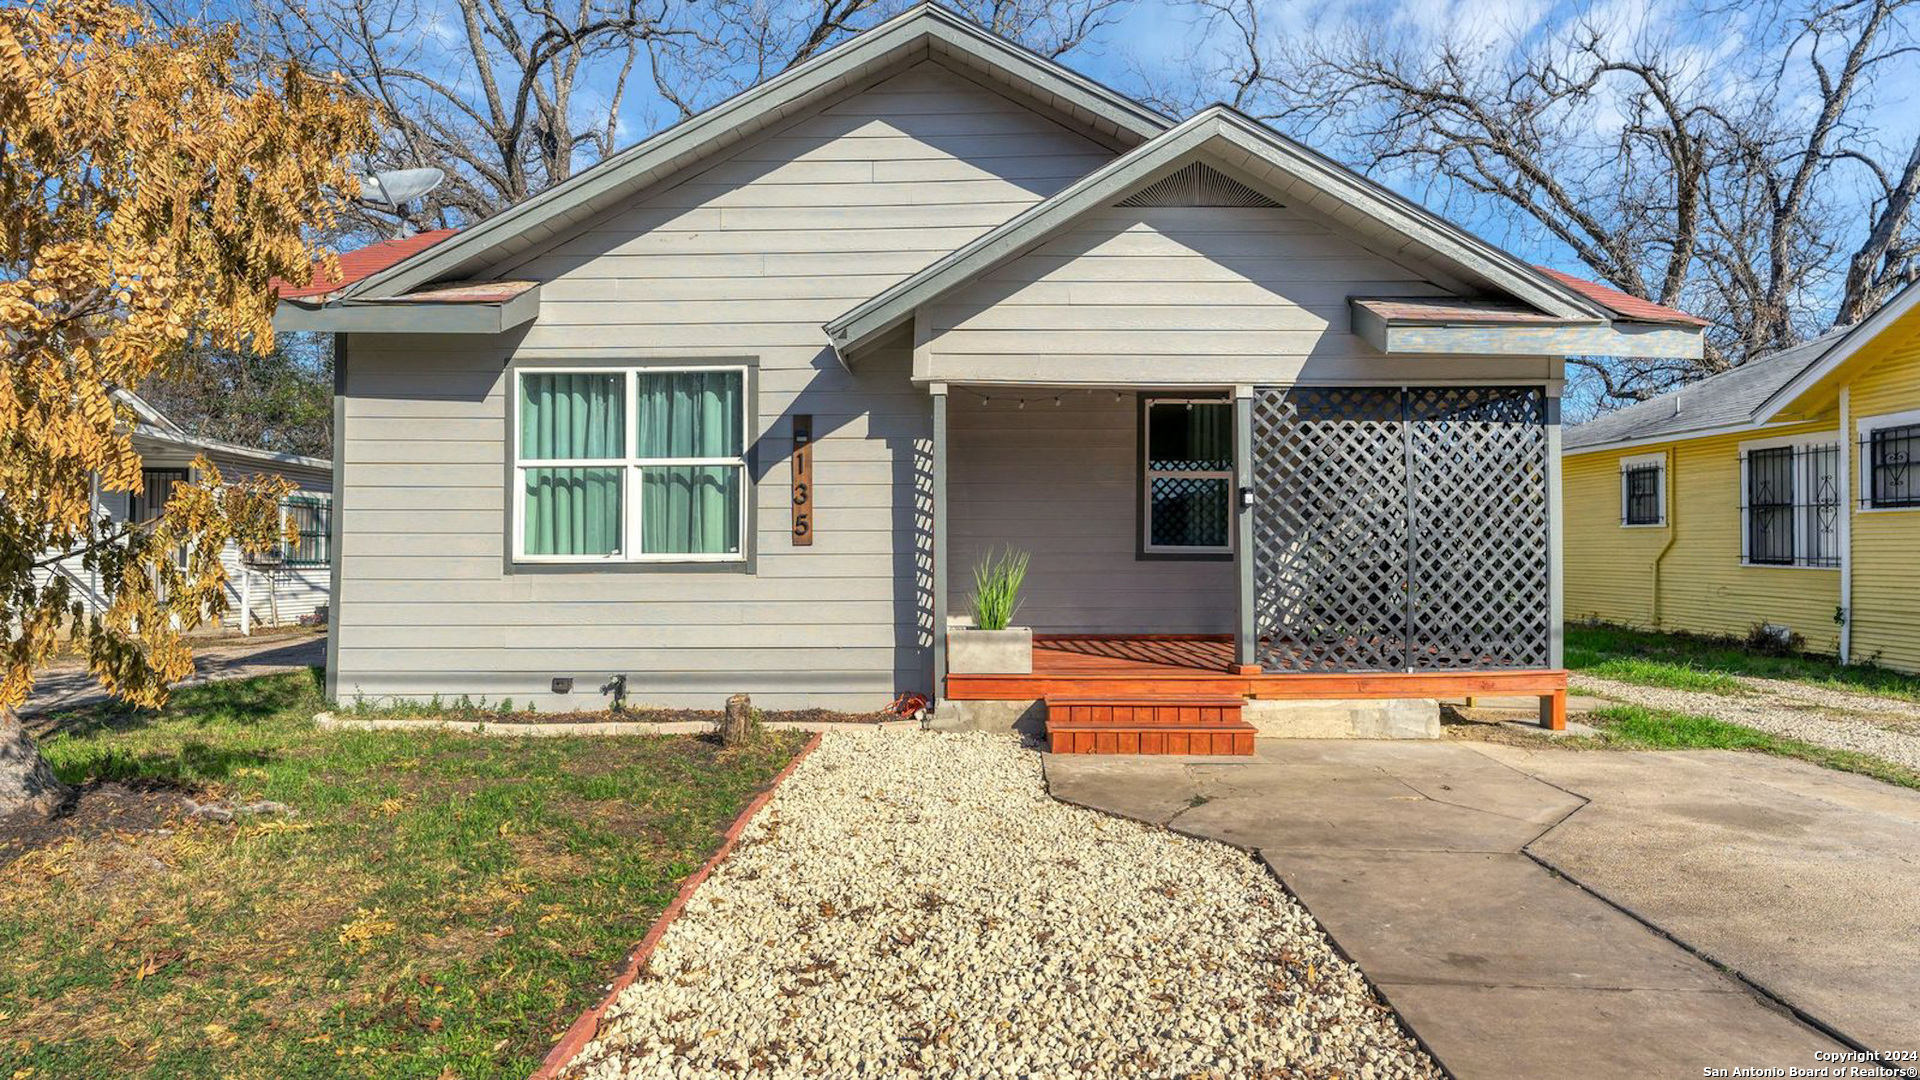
(1075, 665)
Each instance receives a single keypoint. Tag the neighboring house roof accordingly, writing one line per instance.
(1831, 363)
(1294, 172)
(1729, 400)
(362, 263)
(921, 31)
(1622, 304)
(151, 423)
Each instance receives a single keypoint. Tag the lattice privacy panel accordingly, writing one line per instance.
(1401, 530)
(1197, 185)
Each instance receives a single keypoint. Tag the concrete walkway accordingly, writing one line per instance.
(67, 684)
(1412, 855)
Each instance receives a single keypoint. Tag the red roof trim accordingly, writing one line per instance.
(362, 263)
(1622, 304)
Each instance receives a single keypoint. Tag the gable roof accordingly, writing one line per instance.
(926, 30)
(1221, 131)
(1625, 305)
(362, 263)
(1853, 340)
(151, 423)
(1729, 400)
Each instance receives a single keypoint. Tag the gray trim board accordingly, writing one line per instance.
(940, 531)
(914, 31)
(336, 520)
(1216, 131)
(1570, 338)
(1245, 637)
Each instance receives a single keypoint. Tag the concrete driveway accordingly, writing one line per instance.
(1433, 865)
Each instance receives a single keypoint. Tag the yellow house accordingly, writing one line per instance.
(1784, 492)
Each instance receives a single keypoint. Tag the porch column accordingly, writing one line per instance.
(938, 482)
(1245, 636)
(1556, 571)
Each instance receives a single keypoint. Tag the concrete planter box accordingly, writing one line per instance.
(990, 652)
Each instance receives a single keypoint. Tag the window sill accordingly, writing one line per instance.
(1183, 556)
(631, 566)
(1887, 509)
(1784, 566)
(1648, 525)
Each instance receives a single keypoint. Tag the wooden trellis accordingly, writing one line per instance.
(1401, 530)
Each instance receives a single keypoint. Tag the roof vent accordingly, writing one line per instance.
(1197, 185)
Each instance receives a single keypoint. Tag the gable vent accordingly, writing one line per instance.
(1197, 185)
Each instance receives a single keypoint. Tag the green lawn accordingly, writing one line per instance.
(443, 904)
(1695, 662)
(1633, 727)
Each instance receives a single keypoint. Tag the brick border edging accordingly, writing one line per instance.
(587, 1025)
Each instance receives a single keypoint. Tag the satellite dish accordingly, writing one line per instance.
(392, 191)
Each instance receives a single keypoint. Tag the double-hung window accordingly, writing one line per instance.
(1643, 490)
(1890, 462)
(644, 464)
(1187, 482)
(1790, 502)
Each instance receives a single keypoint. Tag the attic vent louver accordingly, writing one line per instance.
(1197, 185)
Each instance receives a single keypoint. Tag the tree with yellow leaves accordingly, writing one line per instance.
(150, 191)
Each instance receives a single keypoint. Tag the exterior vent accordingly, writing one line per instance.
(1197, 185)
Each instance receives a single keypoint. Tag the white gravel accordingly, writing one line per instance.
(1883, 727)
(915, 903)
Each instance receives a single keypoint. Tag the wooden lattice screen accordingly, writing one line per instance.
(1401, 530)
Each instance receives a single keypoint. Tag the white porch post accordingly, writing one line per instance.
(246, 598)
(1849, 449)
(1245, 637)
(938, 481)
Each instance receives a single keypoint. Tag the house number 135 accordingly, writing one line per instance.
(802, 481)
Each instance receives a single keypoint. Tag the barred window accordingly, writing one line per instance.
(1640, 499)
(1790, 504)
(1893, 474)
(310, 515)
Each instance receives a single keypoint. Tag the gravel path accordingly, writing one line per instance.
(1886, 728)
(915, 903)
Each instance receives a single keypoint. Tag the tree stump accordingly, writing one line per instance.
(737, 727)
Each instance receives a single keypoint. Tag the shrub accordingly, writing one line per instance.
(996, 588)
(1772, 639)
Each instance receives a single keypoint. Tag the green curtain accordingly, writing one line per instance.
(690, 509)
(576, 510)
(689, 414)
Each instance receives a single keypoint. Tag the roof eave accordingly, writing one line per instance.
(1810, 378)
(404, 316)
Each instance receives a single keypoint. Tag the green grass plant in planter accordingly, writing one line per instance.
(993, 645)
(996, 588)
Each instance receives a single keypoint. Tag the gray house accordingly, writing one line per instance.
(740, 407)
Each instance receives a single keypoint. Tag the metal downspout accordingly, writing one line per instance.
(1672, 508)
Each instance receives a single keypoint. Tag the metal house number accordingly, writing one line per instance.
(803, 481)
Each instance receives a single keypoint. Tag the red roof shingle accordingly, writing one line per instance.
(1622, 304)
(362, 263)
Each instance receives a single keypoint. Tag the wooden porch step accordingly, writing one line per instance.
(1148, 724)
(1188, 709)
(1218, 740)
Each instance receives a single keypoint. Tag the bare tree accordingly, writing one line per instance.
(512, 96)
(1713, 182)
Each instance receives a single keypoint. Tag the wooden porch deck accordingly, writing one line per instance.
(1101, 664)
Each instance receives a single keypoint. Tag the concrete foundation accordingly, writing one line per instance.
(1395, 718)
(1387, 718)
(1028, 717)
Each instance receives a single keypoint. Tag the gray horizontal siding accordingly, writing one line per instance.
(746, 256)
(1061, 483)
(1188, 295)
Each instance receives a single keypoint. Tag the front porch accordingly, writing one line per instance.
(1343, 544)
(1181, 665)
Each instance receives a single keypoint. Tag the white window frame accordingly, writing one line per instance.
(1639, 461)
(630, 465)
(1864, 428)
(1803, 511)
(1148, 473)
